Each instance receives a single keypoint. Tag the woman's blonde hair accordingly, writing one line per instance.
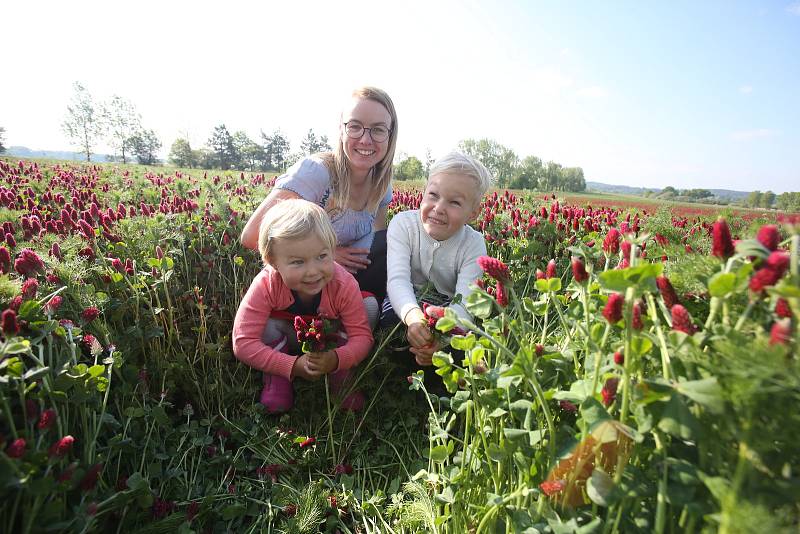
(293, 219)
(339, 168)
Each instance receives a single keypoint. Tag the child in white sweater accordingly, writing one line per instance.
(434, 245)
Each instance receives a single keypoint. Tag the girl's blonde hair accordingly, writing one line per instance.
(293, 219)
(339, 168)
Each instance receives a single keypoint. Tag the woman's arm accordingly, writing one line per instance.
(250, 233)
(380, 219)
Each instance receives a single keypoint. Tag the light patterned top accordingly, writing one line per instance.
(310, 179)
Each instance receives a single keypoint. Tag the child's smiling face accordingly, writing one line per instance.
(448, 203)
(306, 265)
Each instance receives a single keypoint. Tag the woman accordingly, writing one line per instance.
(352, 184)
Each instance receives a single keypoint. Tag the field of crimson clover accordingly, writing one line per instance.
(626, 371)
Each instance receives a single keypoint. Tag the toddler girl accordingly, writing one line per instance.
(300, 278)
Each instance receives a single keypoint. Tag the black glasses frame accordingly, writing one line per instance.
(364, 130)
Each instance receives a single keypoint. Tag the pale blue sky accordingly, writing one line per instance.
(688, 94)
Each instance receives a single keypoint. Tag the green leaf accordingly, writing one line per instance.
(614, 280)
(232, 511)
(706, 392)
(445, 324)
(96, 370)
(641, 345)
(541, 285)
(464, 343)
(554, 284)
(460, 401)
(480, 304)
(722, 284)
(593, 412)
(678, 420)
(600, 487)
(515, 434)
(446, 496)
(439, 454)
(160, 415)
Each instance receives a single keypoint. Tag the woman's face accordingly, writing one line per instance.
(364, 153)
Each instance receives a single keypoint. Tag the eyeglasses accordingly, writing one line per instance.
(355, 130)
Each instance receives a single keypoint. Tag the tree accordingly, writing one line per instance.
(429, 161)
(753, 199)
(767, 199)
(2, 139)
(277, 150)
(529, 175)
(181, 154)
(409, 168)
(312, 144)
(123, 124)
(252, 156)
(789, 201)
(84, 123)
(572, 179)
(145, 146)
(222, 144)
(501, 161)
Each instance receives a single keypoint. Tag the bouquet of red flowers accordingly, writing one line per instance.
(318, 335)
(432, 316)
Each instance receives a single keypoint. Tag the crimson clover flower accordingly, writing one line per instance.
(667, 292)
(611, 242)
(551, 269)
(307, 442)
(54, 303)
(681, 321)
(636, 319)
(5, 260)
(8, 323)
(769, 237)
(501, 295)
(495, 269)
(609, 391)
(781, 332)
(90, 313)
(579, 270)
(47, 419)
(551, 487)
(89, 480)
(782, 309)
(17, 448)
(721, 242)
(318, 335)
(771, 271)
(30, 288)
(568, 406)
(28, 263)
(613, 308)
(60, 448)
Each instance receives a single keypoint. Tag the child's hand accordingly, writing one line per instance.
(322, 363)
(301, 369)
(419, 335)
(424, 355)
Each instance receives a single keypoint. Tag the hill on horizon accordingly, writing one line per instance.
(630, 190)
(25, 152)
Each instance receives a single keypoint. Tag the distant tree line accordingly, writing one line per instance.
(507, 168)
(117, 121)
(224, 150)
(2, 139)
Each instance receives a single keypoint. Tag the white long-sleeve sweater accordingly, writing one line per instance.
(414, 258)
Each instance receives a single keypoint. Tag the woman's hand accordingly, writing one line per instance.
(322, 363)
(352, 259)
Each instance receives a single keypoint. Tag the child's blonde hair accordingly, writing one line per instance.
(456, 162)
(293, 219)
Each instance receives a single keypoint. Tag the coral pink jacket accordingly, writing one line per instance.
(341, 299)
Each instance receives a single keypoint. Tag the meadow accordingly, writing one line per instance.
(629, 369)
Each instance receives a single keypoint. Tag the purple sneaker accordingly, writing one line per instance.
(277, 395)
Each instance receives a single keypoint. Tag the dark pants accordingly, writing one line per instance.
(373, 278)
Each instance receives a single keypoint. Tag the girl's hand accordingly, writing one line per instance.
(322, 363)
(419, 335)
(301, 369)
(352, 259)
